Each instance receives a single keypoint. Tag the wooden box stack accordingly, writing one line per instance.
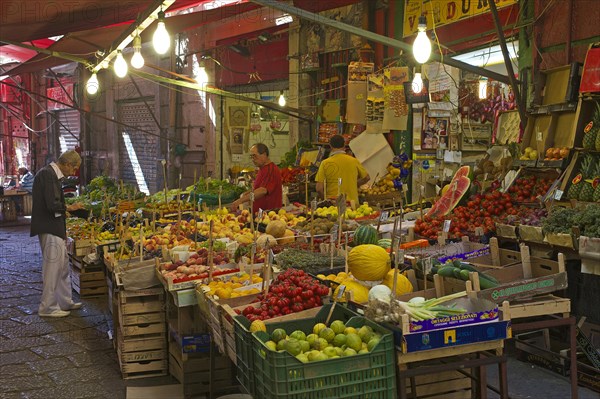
(141, 332)
(87, 279)
(193, 371)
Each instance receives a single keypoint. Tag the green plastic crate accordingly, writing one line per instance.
(243, 353)
(243, 340)
(280, 375)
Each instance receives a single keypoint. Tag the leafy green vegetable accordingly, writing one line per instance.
(310, 262)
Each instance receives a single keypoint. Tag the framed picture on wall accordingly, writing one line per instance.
(237, 140)
(434, 132)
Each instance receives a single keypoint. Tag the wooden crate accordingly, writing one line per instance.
(194, 372)
(80, 247)
(445, 385)
(534, 276)
(144, 368)
(141, 313)
(88, 283)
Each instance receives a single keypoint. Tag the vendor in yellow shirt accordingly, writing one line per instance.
(340, 165)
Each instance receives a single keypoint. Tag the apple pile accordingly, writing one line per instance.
(195, 267)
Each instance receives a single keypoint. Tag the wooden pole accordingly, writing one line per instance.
(164, 168)
(211, 262)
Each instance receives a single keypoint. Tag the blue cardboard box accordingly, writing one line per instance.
(455, 336)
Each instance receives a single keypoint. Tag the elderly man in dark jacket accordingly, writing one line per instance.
(48, 221)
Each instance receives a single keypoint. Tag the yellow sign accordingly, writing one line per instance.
(444, 11)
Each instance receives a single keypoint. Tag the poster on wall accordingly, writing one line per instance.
(443, 85)
(358, 73)
(434, 132)
(395, 115)
(375, 103)
(417, 128)
(237, 140)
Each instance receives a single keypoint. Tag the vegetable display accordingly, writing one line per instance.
(291, 292)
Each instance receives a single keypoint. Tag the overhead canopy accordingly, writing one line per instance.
(89, 25)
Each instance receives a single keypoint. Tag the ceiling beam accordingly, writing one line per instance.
(388, 41)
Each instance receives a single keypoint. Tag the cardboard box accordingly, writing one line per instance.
(478, 311)
(453, 336)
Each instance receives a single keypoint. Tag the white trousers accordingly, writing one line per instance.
(56, 293)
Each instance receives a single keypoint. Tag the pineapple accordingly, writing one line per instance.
(577, 183)
(590, 136)
(587, 191)
(596, 197)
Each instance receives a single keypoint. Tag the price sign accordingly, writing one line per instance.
(426, 265)
(447, 225)
(400, 257)
(558, 195)
(271, 257)
(384, 216)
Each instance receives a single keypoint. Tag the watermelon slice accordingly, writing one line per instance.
(458, 188)
(462, 171)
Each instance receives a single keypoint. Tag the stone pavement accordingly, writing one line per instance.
(47, 358)
(73, 357)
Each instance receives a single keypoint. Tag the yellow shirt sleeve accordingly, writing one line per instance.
(362, 172)
(320, 176)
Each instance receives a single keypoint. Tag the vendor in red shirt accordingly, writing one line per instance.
(267, 185)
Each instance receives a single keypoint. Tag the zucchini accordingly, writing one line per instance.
(490, 278)
(484, 283)
(464, 274)
(471, 268)
(446, 271)
(456, 271)
(456, 263)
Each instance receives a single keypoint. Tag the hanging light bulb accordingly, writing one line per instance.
(92, 84)
(201, 75)
(422, 45)
(137, 61)
(281, 100)
(483, 86)
(417, 83)
(161, 39)
(120, 65)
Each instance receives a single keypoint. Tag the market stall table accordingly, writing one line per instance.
(476, 356)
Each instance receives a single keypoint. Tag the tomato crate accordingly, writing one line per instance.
(281, 375)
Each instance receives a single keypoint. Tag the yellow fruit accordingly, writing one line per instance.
(276, 228)
(360, 293)
(403, 285)
(287, 238)
(369, 262)
(258, 325)
(223, 293)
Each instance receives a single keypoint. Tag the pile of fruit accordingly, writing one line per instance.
(231, 288)
(529, 188)
(291, 292)
(556, 153)
(585, 186)
(397, 172)
(529, 155)
(591, 137)
(195, 267)
(337, 340)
